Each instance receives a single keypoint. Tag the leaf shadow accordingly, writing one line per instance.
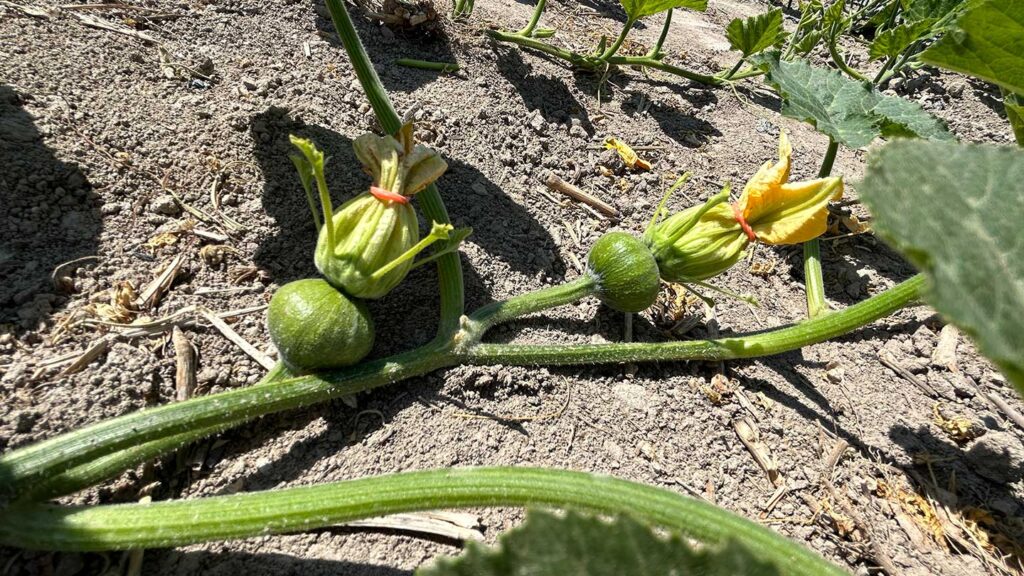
(51, 216)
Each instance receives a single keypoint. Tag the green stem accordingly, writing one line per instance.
(618, 41)
(139, 436)
(748, 73)
(736, 68)
(22, 469)
(437, 232)
(659, 65)
(427, 65)
(757, 345)
(306, 177)
(325, 199)
(841, 63)
(1013, 103)
(594, 63)
(534, 19)
(182, 522)
(572, 57)
(498, 312)
(655, 52)
(814, 281)
(449, 266)
(882, 72)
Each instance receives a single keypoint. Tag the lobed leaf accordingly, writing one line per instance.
(577, 544)
(915, 10)
(988, 43)
(636, 9)
(850, 112)
(757, 33)
(955, 212)
(894, 41)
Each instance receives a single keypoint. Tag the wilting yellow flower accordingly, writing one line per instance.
(704, 241)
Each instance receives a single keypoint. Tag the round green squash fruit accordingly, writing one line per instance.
(316, 327)
(625, 271)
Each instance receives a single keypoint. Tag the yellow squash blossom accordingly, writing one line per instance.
(704, 241)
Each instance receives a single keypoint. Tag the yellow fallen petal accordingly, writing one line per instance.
(795, 212)
(629, 157)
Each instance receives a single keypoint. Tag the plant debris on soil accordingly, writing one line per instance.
(150, 208)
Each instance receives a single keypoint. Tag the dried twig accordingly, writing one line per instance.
(242, 343)
(153, 291)
(878, 554)
(185, 360)
(750, 436)
(887, 360)
(94, 22)
(558, 185)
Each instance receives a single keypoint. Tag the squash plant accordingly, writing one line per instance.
(622, 271)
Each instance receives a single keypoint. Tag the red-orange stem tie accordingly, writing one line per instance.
(743, 222)
(382, 194)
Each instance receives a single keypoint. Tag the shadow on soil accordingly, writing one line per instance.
(548, 94)
(50, 216)
(385, 45)
(188, 563)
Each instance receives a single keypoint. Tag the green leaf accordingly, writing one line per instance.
(894, 41)
(914, 10)
(1014, 104)
(808, 42)
(989, 44)
(834, 21)
(757, 33)
(850, 112)
(637, 9)
(955, 211)
(578, 545)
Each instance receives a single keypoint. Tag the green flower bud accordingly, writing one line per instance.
(698, 243)
(368, 245)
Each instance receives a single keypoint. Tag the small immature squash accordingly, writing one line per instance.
(625, 271)
(315, 327)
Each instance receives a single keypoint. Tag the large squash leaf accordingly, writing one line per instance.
(955, 211)
(850, 112)
(757, 33)
(988, 43)
(578, 545)
(637, 9)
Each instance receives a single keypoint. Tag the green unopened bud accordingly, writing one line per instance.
(369, 244)
(698, 243)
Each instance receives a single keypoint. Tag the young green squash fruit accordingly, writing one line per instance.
(625, 271)
(314, 326)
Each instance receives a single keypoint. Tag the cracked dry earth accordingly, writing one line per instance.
(99, 130)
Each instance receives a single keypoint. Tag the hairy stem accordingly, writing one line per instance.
(534, 19)
(427, 65)
(764, 344)
(736, 68)
(498, 312)
(813, 281)
(618, 41)
(181, 522)
(449, 268)
(833, 51)
(23, 469)
(655, 52)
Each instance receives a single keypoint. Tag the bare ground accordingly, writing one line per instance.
(96, 134)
